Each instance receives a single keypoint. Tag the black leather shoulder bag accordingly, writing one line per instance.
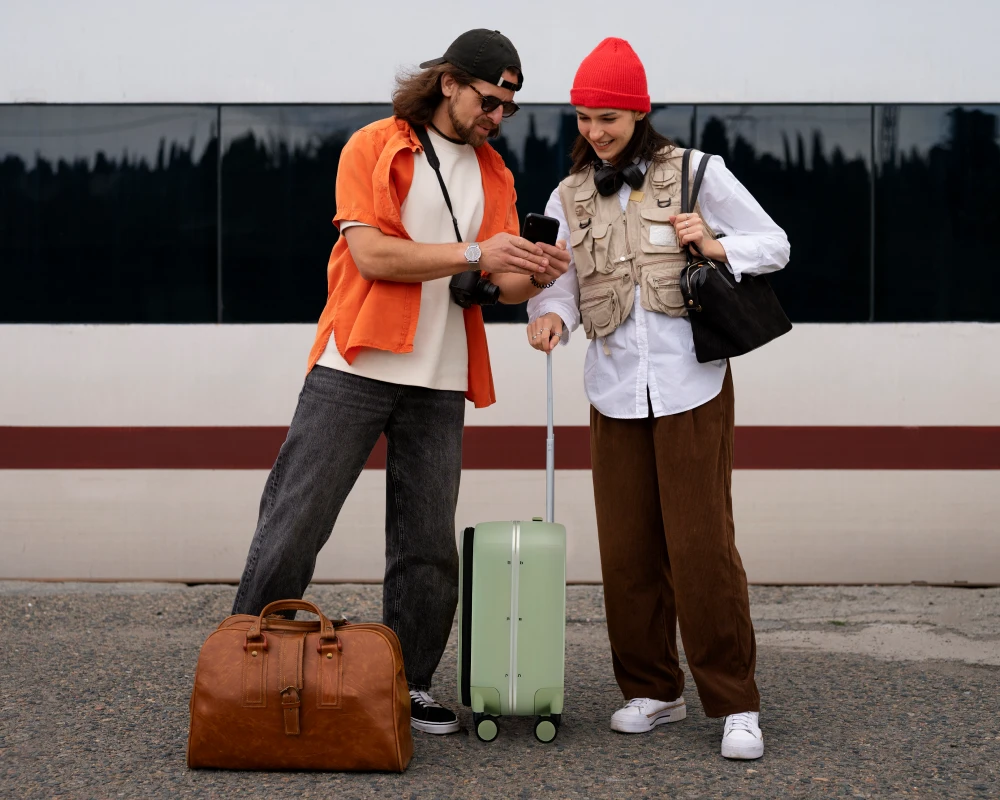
(728, 317)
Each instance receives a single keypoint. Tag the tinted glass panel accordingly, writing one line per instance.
(536, 144)
(937, 213)
(108, 214)
(279, 175)
(808, 166)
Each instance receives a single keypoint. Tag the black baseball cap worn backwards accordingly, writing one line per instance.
(484, 54)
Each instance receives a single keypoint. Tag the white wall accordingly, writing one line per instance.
(793, 526)
(321, 51)
(121, 375)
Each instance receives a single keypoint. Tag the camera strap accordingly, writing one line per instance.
(432, 159)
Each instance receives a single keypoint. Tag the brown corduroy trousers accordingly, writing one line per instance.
(662, 488)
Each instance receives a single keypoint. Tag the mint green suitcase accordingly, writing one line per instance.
(512, 616)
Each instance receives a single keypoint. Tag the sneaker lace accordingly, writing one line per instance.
(741, 722)
(639, 702)
(425, 699)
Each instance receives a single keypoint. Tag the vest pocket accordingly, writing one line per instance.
(590, 248)
(657, 234)
(602, 245)
(604, 305)
(585, 202)
(660, 291)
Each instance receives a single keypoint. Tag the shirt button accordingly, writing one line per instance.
(622, 258)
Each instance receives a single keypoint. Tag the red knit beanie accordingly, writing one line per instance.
(612, 76)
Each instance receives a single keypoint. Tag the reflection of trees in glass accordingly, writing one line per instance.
(278, 206)
(107, 238)
(823, 203)
(121, 240)
(937, 213)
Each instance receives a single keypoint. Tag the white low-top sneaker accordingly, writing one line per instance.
(742, 737)
(643, 714)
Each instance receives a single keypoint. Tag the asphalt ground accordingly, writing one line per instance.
(867, 692)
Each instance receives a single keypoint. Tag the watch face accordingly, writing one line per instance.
(473, 252)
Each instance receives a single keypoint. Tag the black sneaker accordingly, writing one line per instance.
(427, 716)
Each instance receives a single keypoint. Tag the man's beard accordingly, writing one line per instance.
(468, 133)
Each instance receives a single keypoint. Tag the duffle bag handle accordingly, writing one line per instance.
(327, 629)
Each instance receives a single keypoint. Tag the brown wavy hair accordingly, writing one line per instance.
(417, 95)
(646, 143)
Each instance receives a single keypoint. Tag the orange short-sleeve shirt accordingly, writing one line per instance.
(373, 179)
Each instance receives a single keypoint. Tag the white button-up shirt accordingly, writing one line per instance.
(650, 351)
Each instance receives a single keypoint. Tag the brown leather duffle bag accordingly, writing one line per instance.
(273, 693)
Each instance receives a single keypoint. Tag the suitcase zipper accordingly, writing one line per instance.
(515, 562)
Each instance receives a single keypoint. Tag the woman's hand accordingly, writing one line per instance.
(691, 231)
(544, 332)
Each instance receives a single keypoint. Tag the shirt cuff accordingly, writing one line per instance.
(743, 254)
(353, 223)
(358, 215)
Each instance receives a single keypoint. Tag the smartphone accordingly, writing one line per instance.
(539, 228)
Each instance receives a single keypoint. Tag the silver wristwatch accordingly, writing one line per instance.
(472, 254)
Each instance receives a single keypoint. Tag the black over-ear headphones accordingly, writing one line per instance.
(609, 180)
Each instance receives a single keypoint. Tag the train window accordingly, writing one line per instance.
(937, 210)
(536, 145)
(108, 213)
(279, 175)
(809, 167)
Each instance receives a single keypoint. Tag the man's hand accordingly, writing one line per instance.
(508, 253)
(544, 333)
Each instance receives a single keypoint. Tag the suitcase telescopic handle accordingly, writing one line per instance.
(550, 445)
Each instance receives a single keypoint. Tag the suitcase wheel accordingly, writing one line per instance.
(486, 727)
(546, 728)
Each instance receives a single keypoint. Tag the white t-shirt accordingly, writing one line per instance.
(440, 357)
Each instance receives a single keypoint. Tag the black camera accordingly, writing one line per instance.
(470, 288)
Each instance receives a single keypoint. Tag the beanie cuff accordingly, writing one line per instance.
(603, 98)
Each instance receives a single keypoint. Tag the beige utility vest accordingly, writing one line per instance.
(614, 251)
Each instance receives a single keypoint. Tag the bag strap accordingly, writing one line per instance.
(432, 159)
(688, 202)
(685, 168)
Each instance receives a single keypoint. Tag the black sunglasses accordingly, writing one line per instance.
(491, 103)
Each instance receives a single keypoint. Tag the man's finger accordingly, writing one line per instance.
(524, 244)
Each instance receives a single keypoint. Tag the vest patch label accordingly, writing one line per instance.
(662, 235)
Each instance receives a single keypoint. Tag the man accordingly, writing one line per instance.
(395, 354)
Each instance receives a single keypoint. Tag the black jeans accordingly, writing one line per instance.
(337, 422)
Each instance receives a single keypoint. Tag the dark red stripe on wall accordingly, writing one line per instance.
(505, 447)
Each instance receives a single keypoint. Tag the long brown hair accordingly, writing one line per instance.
(645, 143)
(418, 95)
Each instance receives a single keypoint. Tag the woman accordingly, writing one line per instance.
(661, 423)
